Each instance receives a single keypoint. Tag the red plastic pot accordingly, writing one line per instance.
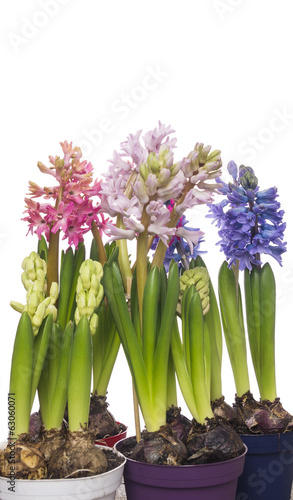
(111, 440)
(217, 481)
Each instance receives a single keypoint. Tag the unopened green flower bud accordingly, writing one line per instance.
(202, 159)
(100, 294)
(34, 280)
(40, 275)
(199, 278)
(81, 302)
(247, 178)
(153, 163)
(51, 309)
(91, 301)
(89, 291)
(95, 282)
(39, 315)
(37, 288)
(144, 171)
(98, 270)
(17, 306)
(174, 169)
(32, 303)
(85, 275)
(26, 282)
(54, 292)
(94, 323)
(215, 155)
(205, 302)
(59, 164)
(77, 315)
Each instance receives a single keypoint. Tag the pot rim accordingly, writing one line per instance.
(182, 466)
(271, 434)
(76, 478)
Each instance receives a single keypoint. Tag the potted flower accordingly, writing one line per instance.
(251, 224)
(74, 211)
(141, 180)
(53, 349)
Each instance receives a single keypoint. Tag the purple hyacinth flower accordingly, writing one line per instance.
(249, 221)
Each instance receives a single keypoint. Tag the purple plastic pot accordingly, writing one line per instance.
(268, 469)
(216, 481)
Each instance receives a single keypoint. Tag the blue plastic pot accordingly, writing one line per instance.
(216, 481)
(268, 469)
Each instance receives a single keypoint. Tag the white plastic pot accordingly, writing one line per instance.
(85, 488)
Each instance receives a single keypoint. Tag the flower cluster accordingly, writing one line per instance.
(250, 221)
(39, 303)
(143, 176)
(89, 292)
(181, 247)
(73, 210)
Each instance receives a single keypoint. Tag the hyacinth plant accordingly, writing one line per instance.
(70, 208)
(148, 193)
(54, 353)
(250, 223)
(74, 212)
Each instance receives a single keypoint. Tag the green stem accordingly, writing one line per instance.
(141, 264)
(66, 275)
(99, 242)
(150, 316)
(53, 260)
(123, 256)
(160, 252)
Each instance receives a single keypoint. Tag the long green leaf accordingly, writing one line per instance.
(53, 356)
(182, 372)
(150, 319)
(252, 303)
(114, 290)
(267, 335)
(233, 328)
(160, 378)
(21, 374)
(59, 399)
(198, 367)
(41, 344)
(79, 384)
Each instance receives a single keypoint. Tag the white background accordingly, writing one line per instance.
(78, 71)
